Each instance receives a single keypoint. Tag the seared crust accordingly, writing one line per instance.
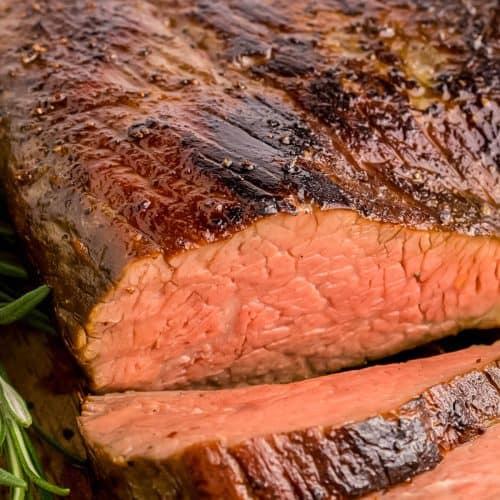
(133, 129)
(363, 457)
(172, 124)
(328, 105)
(321, 462)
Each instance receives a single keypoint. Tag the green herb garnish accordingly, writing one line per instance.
(24, 469)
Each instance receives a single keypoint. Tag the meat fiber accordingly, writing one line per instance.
(338, 436)
(469, 471)
(224, 192)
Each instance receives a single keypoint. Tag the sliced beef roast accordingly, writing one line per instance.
(230, 191)
(337, 436)
(468, 472)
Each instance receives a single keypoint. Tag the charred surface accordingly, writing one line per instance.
(368, 456)
(323, 462)
(457, 411)
(346, 462)
(171, 124)
(391, 92)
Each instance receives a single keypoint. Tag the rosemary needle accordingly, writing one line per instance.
(8, 479)
(35, 318)
(44, 495)
(3, 431)
(22, 457)
(27, 463)
(17, 493)
(25, 472)
(12, 270)
(16, 309)
(14, 404)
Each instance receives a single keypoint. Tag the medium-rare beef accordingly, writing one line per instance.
(469, 471)
(336, 436)
(231, 191)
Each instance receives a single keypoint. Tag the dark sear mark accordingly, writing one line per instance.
(373, 83)
(387, 108)
(291, 57)
(355, 459)
(347, 462)
(324, 462)
(331, 105)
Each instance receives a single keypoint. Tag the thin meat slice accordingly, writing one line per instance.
(338, 436)
(470, 471)
(226, 192)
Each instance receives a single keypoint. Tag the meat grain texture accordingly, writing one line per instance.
(340, 436)
(224, 192)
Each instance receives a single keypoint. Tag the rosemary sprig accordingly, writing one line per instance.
(35, 318)
(20, 451)
(15, 310)
(9, 479)
(12, 270)
(25, 471)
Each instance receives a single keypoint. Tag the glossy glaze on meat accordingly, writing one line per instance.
(340, 436)
(136, 132)
(231, 111)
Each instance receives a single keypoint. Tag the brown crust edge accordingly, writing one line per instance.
(319, 463)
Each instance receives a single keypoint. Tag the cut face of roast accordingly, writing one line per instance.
(338, 436)
(226, 192)
(292, 296)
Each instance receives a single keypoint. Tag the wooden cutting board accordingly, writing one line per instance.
(43, 373)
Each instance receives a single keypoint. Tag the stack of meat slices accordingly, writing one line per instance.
(337, 436)
(229, 193)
